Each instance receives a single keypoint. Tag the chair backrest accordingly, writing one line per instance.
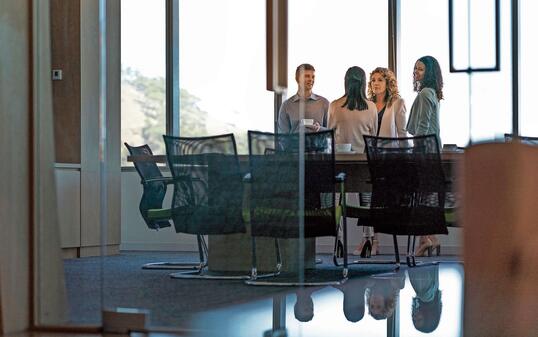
(286, 194)
(208, 187)
(154, 191)
(508, 137)
(408, 185)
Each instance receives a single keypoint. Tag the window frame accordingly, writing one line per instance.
(393, 41)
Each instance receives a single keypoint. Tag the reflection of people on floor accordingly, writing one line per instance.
(426, 306)
(382, 296)
(304, 305)
(353, 291)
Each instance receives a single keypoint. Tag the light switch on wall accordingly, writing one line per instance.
(56, 74)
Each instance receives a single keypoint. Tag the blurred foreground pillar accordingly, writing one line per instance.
(500, 219)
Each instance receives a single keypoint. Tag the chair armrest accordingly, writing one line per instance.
(247, 178)
(159, 213)
(340, 177)
(166, 180)
(171, 180)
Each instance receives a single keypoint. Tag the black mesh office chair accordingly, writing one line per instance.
(292, 200)
(155, 186)
(408, 188)
(208, 190)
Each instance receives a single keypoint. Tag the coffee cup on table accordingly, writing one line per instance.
(307, 121)
(450, 147)
(346, 147)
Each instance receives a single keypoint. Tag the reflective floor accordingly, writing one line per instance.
(426, 300)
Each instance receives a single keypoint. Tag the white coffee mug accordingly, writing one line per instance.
(343, 147)
(307, 121)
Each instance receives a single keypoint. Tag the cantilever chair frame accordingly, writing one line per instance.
(339, 180)
(201, 272)
(363, 212)
(159, 215)
(358, 213)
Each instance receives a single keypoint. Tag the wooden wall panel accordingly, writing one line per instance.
(65, 38)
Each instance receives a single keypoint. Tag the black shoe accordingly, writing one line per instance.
(339, 249)
(366, 251)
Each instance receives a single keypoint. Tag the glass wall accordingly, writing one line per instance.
(476, 107)
(222, 69)
(222, 90)
(143, 73)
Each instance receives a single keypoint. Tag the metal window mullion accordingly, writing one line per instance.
(393, 38)
(172, 67)
(515, 67)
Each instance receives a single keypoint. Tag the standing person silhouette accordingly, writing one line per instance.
(314, 106)
(424, 120)
(353, 116)
(391, 117)
(426, 306)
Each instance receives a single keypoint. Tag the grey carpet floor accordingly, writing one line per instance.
(118, 281)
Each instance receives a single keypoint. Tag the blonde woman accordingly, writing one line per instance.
(391, 121)
(391, 112)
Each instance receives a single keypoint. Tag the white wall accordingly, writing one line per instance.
(135, 235)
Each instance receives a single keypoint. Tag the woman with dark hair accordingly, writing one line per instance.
(304, 305)
(353, 303)
(424, 120)
(428, 82)
(353, 116)
(426, 306)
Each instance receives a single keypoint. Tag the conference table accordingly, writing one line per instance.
(354, 165)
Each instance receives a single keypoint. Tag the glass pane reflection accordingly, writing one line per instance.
(427, 300)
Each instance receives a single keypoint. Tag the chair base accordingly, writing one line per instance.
(412, 262)
(295, 284)
(255, 282)
(203, 274)
(173, 265)
(397, 263)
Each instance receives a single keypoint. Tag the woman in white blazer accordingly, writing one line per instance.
(383, 91)
(391, 121)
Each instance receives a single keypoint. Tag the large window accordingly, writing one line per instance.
(333, 36)
(222, 64)
(143, 72)
(222, 69)
(476, 107)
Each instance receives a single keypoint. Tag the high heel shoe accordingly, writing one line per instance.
(436, 245)
(375, 247)
(339, 249)
(366, 251)
(358, 250)
(425, 248)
